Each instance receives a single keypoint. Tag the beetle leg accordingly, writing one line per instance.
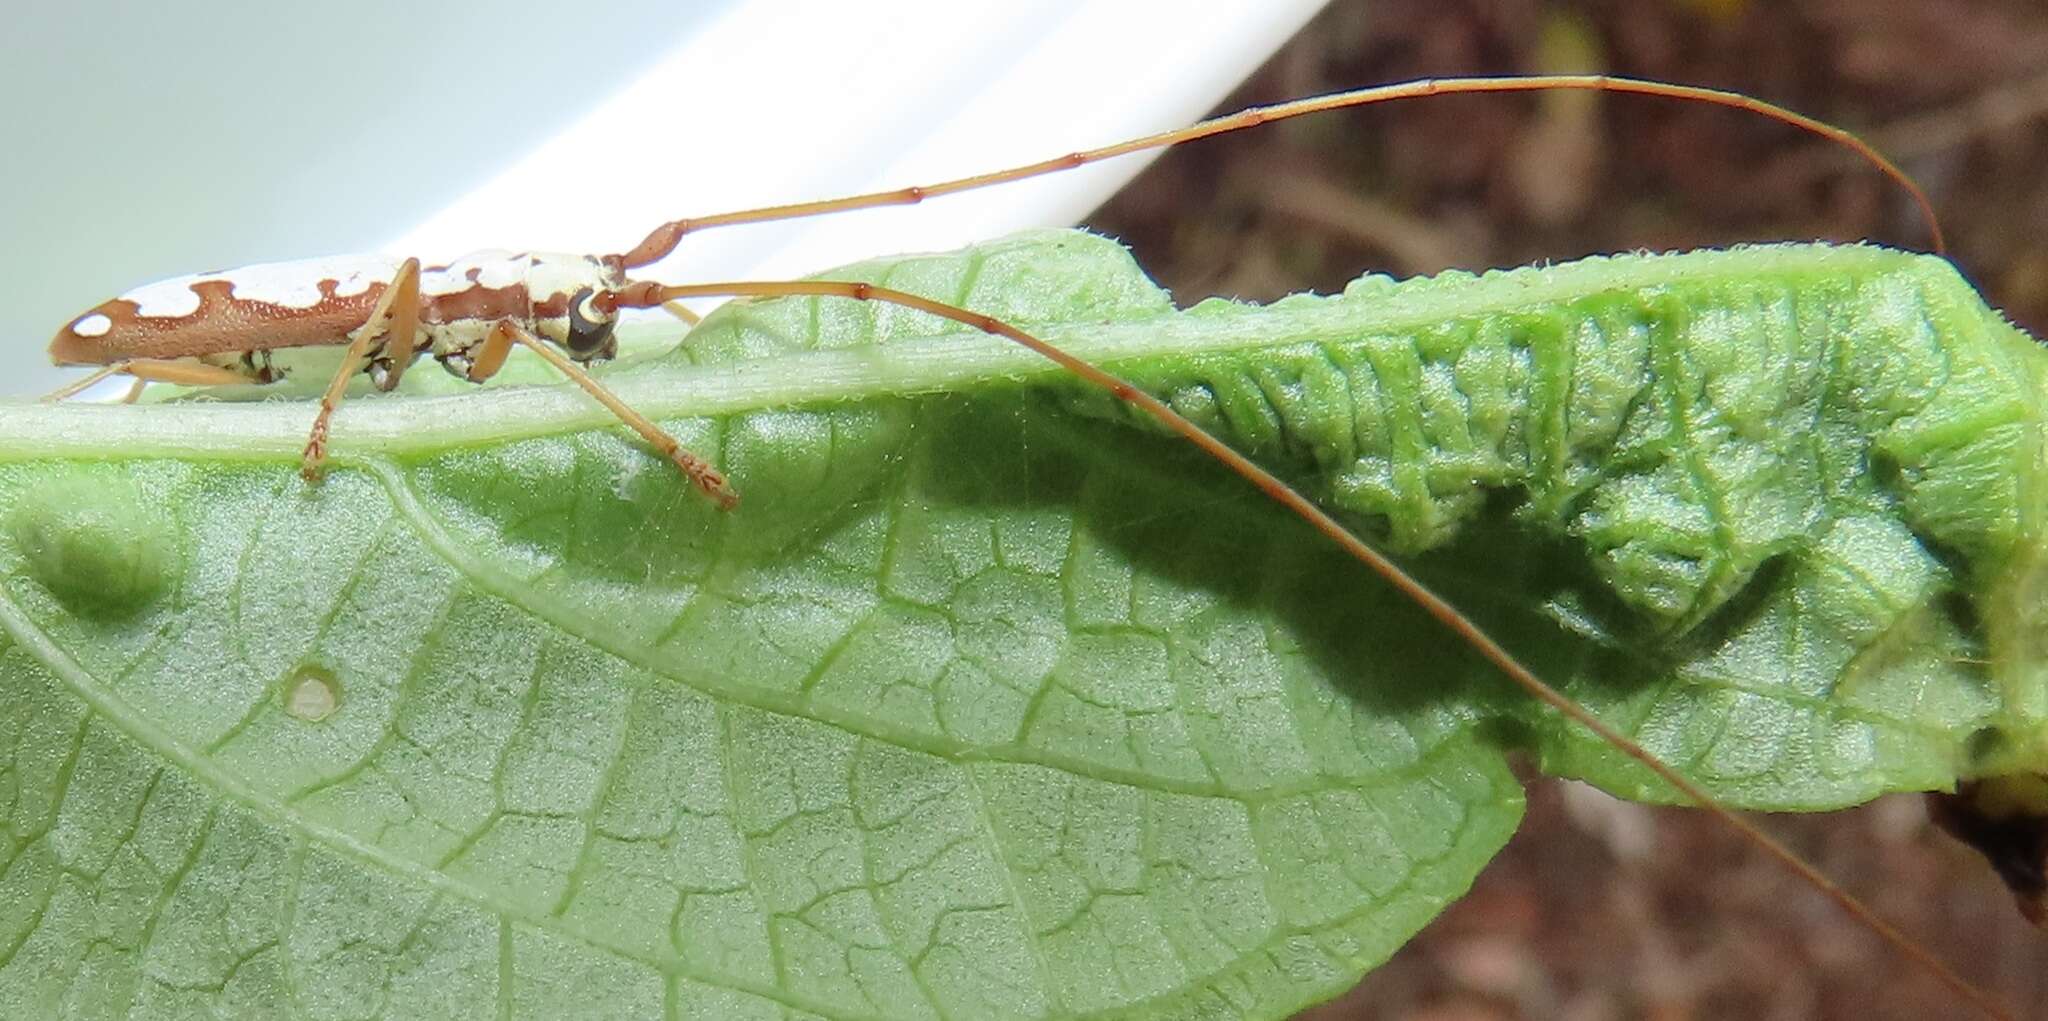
(401, 331)
(699, 471)
(84, 383)
(181, 371)
(489, 356)
(395, 321)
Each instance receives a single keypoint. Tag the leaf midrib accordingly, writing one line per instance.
(398, 425)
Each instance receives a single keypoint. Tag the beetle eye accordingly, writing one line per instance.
(590, 331)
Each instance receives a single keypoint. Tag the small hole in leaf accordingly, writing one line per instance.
(312, 694)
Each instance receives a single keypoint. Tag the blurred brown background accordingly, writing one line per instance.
(1599, 910)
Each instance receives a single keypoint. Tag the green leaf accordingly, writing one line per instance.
(990, 700)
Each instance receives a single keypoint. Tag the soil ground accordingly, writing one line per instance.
(1600, 910)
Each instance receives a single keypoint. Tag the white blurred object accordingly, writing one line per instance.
(267, 132)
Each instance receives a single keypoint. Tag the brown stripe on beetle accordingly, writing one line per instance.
(474, 302)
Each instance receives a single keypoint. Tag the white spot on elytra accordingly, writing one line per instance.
(287, 284)
(297, 284)
(173, 298)
(94, 325)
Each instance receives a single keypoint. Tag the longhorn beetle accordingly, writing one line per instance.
(221, 328)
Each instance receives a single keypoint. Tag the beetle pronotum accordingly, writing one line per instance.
(221, 328)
